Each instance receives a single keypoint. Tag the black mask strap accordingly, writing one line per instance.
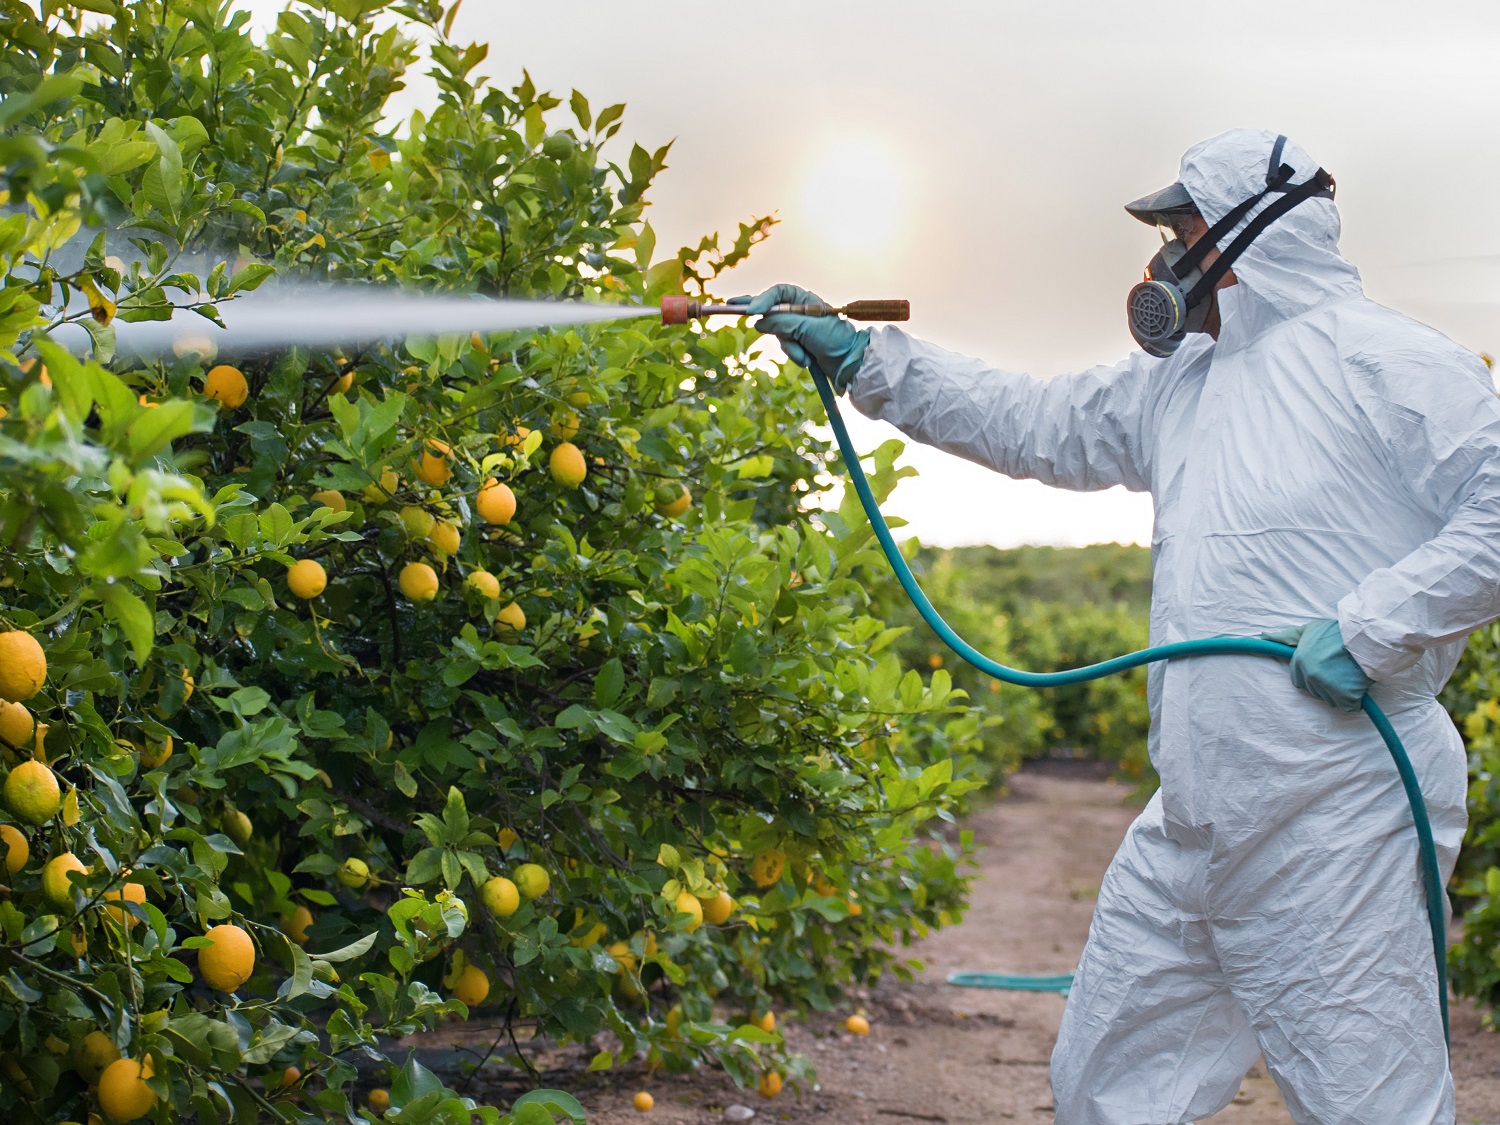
(1319, 184)
(1278, 176)
(1275, 165)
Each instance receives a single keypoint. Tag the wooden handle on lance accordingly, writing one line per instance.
(877, 310)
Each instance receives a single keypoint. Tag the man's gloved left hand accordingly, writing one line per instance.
(1322, 666)
(835, 345)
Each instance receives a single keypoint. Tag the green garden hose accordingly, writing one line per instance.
(1217, 646)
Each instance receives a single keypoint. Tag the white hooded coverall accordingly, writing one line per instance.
(1325, 458)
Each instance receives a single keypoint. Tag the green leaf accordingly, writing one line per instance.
(406, 785)
(754, 468)
(206, 1042)
(133, 617)
(609, 682)
(154, 430)
(555, 1101)
(52, 88)
(162, 183)
(455, 815)
(249, 277)
(580, 107)
(269, 1042)
(348, 952)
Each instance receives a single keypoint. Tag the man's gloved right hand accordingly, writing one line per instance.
(835, 345)
(1322, 666)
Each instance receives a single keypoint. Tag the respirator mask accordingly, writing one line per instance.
(1176, 295)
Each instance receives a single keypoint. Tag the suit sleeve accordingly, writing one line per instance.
(1440, 419)
(1085, 431)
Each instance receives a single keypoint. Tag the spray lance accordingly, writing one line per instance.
(680, 310)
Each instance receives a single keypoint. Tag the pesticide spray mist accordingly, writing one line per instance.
(339, 316)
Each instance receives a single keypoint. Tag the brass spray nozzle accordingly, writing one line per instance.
(679, 310)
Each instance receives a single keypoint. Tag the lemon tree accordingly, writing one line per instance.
(510, 677)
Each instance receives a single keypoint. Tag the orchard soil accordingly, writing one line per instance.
(942, 1054)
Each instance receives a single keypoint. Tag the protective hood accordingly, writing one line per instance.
(1295, 264)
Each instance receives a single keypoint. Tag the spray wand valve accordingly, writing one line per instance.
(679, 310)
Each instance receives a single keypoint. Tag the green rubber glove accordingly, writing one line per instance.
(1322, 666)
(831, 342)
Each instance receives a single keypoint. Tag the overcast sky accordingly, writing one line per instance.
(973, 155)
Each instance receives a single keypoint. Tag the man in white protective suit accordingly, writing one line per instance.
(1324, 470)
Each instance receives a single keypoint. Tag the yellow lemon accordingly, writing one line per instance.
(511, 619)
(590, 937)
(418, 581)
(532, 880)
(31, 793)
(769, 1085)
(57, 888)
(229, 961)
(718, 909)
(564, 427)
(432, 466)
(384, 489)
(92, 1054)
(472, 987)
(620, 951)
(857, 1025)
(822, 885)
(567, 465)
(155, 755)
(238, 827)
(516, 437)
(687, 904)
(188, 343)
(501, 897)
(17, 1077)
(445, 537)
(506, 838)
(126, 892)
(766, 1023)
(495, 502)
(297, 925)
(17, 850)
(379, 1099)
(23, 666)
(123, 1093)
(484, 582)
(329, 498)
(674, 1021)
(675, 506)
(643, 1102)
(306, 578)
(226, 385)
(354, 873)
(288, 1076)
(342, 384)
(417, 521)
(766, 868)
(16, 724)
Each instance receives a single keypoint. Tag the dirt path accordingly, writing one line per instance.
(975, 1057)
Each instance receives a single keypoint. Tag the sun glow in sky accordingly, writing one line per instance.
(855, 195)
